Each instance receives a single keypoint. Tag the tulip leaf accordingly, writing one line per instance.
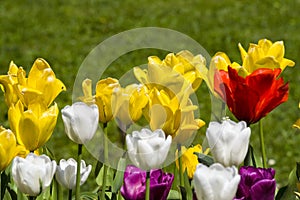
(173, 194)
(288, 192)
(204, 159)
(187, 186)
(4, 183)
(183, 193)
(118, 180)
(109, 176)
(88, 195)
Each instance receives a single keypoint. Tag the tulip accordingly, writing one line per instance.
(256, 184)
(135, 180)
(189, 159)
(184, 63)
(33, 174)
(81, 121)
(8, 147)
(129, 102)
(146, 149)
(216, 182)
(33, 127)
(253, 97)
(103, 98)
(228, 141)
(265, 54)
(7, 83)
(41, 84)
(66, 173)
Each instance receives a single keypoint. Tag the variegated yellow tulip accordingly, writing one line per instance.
(265, 54)
(34, 126)
(7, 83)
(8, 147)
(129, 103)
(103, 98)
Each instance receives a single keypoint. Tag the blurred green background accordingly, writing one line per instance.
(64, 32)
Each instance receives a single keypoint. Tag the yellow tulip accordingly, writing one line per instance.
(33, 127)
(8, 147)
(184, 63)
(87, 97)
(189, 159)
(7, 83)
(175, 116)
(265, 54)
(103, 98)
(129, 102)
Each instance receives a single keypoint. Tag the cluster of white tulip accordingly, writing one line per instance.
(34, 173)
(229, 143)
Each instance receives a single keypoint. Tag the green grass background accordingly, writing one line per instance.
(64, 32)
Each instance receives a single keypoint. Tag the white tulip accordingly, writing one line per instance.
(66, 173)
(33, 174)
(228, 141)
(81, 121)
(148, 150)
(216, 182)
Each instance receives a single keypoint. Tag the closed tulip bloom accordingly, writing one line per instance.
(228, 141)
(103, 98)
(216, 182)
(66, 173)
(134, 187)
(33, 127)
(8, 147)
(81, 121)
(148, 150)
(33, 174)
(256, 184)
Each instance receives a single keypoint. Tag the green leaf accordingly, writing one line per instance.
(88, 196)
(4, 183)
(109, 177)
(98, 167)
(118, 180)
(204, 159)
(250, 158)
(173, 194)
(187, 185)
(288, 192)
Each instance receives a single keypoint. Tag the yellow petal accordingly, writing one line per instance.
(14, 116)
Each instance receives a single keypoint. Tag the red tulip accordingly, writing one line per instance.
(253, 97)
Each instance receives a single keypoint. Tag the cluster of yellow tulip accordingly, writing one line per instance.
(162, 96)
(31, 115)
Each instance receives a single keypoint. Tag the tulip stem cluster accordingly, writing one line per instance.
(77, 194)
(262, 144)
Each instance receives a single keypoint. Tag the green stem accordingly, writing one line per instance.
(147, 195)
(105, 151)
(70, 195)
(77, 192)
(262, 145)
(181, 178)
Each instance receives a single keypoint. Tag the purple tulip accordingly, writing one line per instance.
(134, 187)
(256, 184)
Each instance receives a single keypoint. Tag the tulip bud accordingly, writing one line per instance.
(81, 121)
(33, 174)
(216, 182)
(228, 141)
(146, 149)
(66, 173)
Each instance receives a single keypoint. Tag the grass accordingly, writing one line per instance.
(64, 32)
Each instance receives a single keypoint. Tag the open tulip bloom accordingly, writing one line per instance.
(66, 173)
